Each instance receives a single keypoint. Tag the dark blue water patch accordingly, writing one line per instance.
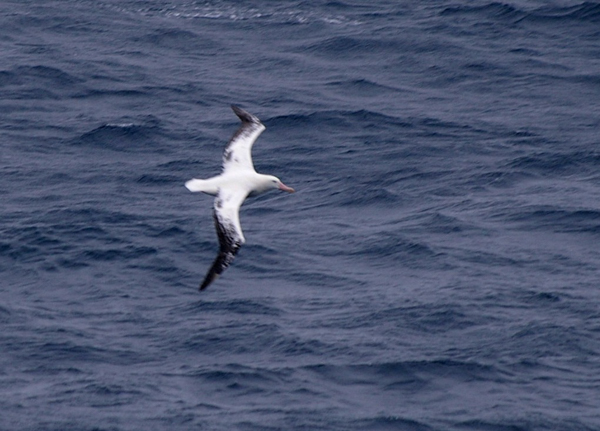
(88, 218)
(538, 423)
(445, 224)
(391, 244)
(52, 20)
(340, 123)
(107, 395)
(126, 135)
(363, 87)
(563, 262)
(158, 179)
(245, 307)
(353, 48)
(374, 120)
(101, 93)
(391, 248)
(580, 13)
(258, 207)
(394, 375)
(490, 258)
(541, 298)
(445, 318)
(179, 165)
(167, 232)
(22, 253)
(316, 278)
(66, 351)
(54, 369)
(74, 238)
(5, 314)
(185, 41)
(37, 83)
(165, 268)
(592, 80)
(483, 76)
(30, 94)
(31, 244)
(366, 195)
(484, 425)
(552, 219)
(230, 338)
(300, 121)
(164, 273)
(65, 262)
(385, 423)
(73, 425)
(492, 10)
(496, 11)
(497, 179)
(258, 260)
(119, 254)
(42, 76)
(191, 243)
(241, 378)
(552, 163)
(546, 339)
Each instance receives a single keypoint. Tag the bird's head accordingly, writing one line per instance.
(276, 183)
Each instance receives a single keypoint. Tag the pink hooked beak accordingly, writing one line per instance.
(286, 188)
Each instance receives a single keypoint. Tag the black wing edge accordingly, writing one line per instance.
(220, 264)
(245, 116)
(229, 247)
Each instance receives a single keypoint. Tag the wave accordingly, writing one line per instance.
(583, 12)
(362, 87)
(407, 375)
(125, 136)
(231, 337)
(38, 83)
(492, 10)
(72, 238)
(247, 307)
(45, 75)
(184, 41)
(73, 350)
(122, 253)
(386, 423)
(551, 163)
(346, 47)
(5, 314)
(536, 217)
(339, 119)
(260, 13)
(542, 422)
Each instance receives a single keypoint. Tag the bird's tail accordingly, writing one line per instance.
(206, 186)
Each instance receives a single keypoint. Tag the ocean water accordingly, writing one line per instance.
(437, 269)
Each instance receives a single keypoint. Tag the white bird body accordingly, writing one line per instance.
(237, 181)
(254, 182)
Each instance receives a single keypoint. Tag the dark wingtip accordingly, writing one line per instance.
(245, 116)
(207, 281)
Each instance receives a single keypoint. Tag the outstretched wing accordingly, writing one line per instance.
(227, 223)
(238, 152)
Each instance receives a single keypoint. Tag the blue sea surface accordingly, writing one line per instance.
(437, 269)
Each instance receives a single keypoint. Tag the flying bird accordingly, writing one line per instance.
(237, 181)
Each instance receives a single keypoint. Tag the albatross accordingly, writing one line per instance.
(237, 181)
